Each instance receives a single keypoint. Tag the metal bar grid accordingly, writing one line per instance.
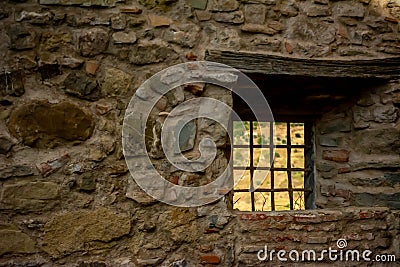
(289, 169)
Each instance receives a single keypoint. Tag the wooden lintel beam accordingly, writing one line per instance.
(384, 68)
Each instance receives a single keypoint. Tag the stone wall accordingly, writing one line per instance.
(68, 70)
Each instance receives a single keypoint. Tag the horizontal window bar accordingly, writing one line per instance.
(269, 169)
(268, 146)
(274, 190)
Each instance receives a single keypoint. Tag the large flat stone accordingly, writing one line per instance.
(380, 199)
(45, 125)
(15, 171)
(12, 240)
(378, 141)
(29, 196)
(80, 230)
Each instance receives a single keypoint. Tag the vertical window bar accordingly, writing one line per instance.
(251, 189)
(272, 156)
(289, 163)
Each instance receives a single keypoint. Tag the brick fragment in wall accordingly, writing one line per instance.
(338, 155)
(51, 166)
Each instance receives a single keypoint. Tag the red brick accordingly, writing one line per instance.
(307, 218)
(174, 179)
(191, 56)
(210, 258)
(343, 193)
(390, 19)
(344, 170)
(337, 155)
(211, 230)
(91, 66)
(365, 215)
(289, 47)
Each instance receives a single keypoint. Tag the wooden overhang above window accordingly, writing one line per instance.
(299, 88)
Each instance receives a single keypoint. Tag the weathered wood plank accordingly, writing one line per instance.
(386, 68)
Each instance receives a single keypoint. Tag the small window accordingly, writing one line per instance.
(265, 183)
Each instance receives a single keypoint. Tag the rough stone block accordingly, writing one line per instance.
(148, 53)
(92, 42)
(82, 230)
(12, 240)
(255, 14)
(6, 143)
(134, 192)
(349, 9)
(317, 11)
(34, 17)
(158, 21)
(116, 82)
(185, 34)
(378, 141)
(301, 28)
(199, 4)
(81, 85)
(29, 196)
(235, 17)
(203, 15)
(44, 125)
(380, 199)
(22, 37)
(15, 171)
(328, 141)
(223, 5)
(124, 38)
(340, 125)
